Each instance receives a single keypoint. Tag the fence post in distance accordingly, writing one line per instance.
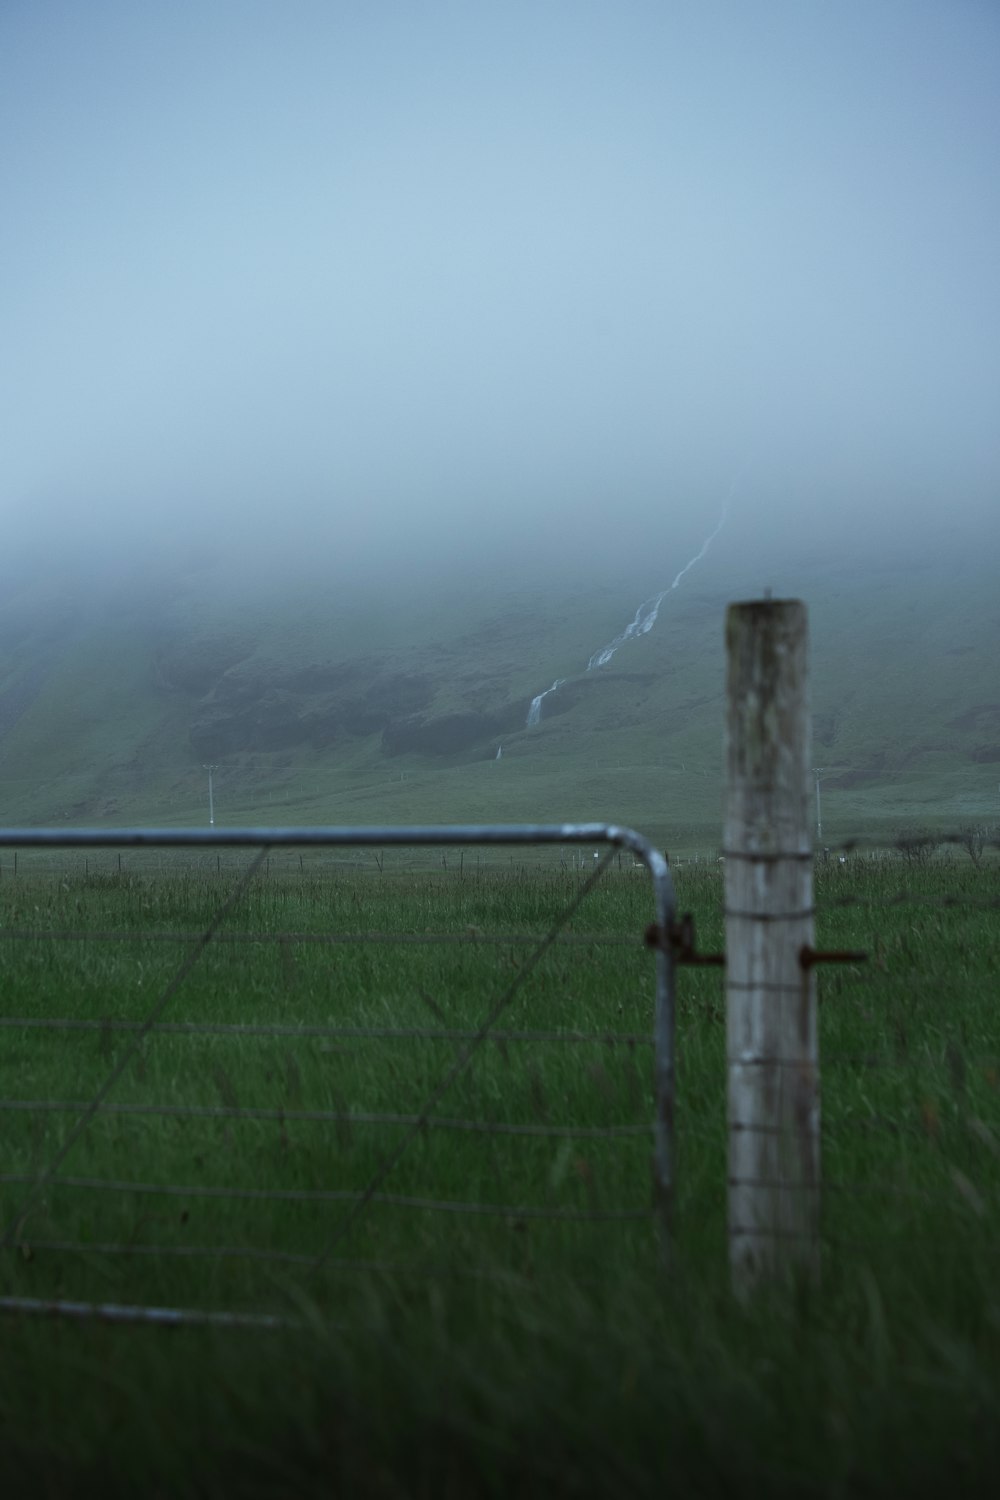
(771, 1013)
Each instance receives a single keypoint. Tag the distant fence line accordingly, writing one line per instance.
(914, 849)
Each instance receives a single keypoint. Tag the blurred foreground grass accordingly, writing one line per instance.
(442, 1353)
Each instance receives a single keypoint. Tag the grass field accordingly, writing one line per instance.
(541, 1345)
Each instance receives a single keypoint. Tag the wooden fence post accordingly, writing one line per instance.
(771, 1021)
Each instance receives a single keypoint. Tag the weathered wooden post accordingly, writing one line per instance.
(771, 1022)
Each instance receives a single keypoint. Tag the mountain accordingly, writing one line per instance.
(387, 699)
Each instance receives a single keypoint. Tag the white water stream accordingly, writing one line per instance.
(642, 624)
(535, 711)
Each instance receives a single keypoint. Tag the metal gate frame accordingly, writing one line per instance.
(261, 839)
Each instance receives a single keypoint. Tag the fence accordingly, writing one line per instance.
(133, 1113)
(776, 1203)
(908, 1049)
(911, 1103)
(905, 1148)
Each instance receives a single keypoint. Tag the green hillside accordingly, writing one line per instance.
(386, 700)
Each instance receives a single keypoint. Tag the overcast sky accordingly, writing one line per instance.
(525, 267)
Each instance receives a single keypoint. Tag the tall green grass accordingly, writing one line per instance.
(445, 1353)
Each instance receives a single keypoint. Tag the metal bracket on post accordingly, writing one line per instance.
(809, 956)
(678, 939)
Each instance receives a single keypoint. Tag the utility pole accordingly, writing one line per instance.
(211, 802)
(818, 771)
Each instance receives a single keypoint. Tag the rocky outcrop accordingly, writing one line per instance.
(270, 721)
(264, 708)
(452, 734)
(979, 719)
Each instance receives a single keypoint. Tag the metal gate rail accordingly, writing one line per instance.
(261, 839)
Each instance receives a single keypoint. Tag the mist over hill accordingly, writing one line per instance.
(367, 368)
(405, 698)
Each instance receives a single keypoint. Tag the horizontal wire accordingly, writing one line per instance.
(331, 1195)
(775, 1184)
(874, 979)
(864, 1060)
(113, 1312)
(405, 1033)
(758, 1060)
(904, 898)
(912, 845)
(861, 1060)
(193, 1252)
(922, 1195)
(766, 856)
(771, 916)
(759, 1231)
(828, 1130)
(254, 1253)
(837, 1242)
(769, 986)
(878, 976)
(322, 938)
(219, 1112)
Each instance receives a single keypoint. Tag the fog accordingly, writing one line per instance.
(394, 285)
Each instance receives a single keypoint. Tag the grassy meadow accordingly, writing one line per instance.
(538, 1342)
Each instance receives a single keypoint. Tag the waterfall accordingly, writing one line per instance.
(535, 711)
(641, 624)
(645, 615)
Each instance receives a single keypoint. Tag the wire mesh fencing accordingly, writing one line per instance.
(229, 1084)
(911, 1044)
(909, 1058)
(226, 1088)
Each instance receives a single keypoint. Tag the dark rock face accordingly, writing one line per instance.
(442, 736)
(269, 722)
(321, 704)
(980, 719)
(452, 734)
(560, 703)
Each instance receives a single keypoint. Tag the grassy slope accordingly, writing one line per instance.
(901, 650)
